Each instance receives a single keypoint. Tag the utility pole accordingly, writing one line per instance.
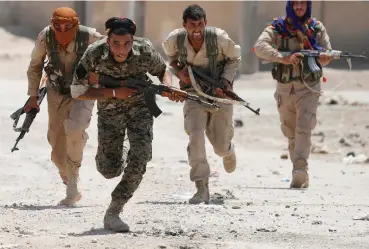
(248, 31)
(322, 11)
(84, 11)
(136, 12)
(81, 11)
(88, 13)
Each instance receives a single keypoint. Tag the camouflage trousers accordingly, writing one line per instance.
(113, 124)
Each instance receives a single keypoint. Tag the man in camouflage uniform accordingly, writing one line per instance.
(63, 42)
(120, 56)
(191, 46)
(297, 94)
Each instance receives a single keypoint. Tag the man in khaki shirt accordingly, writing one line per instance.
(297, 94)
(63, 42)
(218, 125)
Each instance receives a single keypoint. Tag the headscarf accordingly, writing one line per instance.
(292, 26)
(65, 15)
(124, 24)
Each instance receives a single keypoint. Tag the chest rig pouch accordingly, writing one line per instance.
(310, 68)
(55, 70)
(215, 68)
(281, 72)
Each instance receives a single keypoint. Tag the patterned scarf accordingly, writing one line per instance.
(290, 26)
(65, 15)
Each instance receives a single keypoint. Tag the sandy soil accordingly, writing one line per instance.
(251, 208)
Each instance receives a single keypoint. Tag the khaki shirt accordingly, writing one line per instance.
(226, 47)
(266, 46)
(40, 51)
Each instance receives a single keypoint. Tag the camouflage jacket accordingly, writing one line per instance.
(97, 58)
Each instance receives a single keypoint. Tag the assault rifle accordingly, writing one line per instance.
(311, 55)
(149, 89)
(209, 83)
(30, 116)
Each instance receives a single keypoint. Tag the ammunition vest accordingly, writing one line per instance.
(54, 69)
(284, 73)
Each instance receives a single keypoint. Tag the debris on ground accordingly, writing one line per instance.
(219, 199)
(276, 172)
(238, 123)
(366, 217)
(357, 103)
(318, 134)
(214, 174)
(236, 207)
(319, 149)
(333, 100)
(268, 230)
(284, 156)
(352, 159)
(344, 143)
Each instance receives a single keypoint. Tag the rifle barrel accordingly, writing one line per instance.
(354, 56)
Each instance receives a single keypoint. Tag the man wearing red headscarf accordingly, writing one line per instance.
(63, 42)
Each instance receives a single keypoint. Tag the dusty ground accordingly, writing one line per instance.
(251, 208)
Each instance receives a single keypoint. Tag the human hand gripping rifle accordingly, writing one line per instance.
(210, 83)
(149, 89)
(30, 116)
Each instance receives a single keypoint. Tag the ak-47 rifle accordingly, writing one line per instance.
(209, 83)
(30, 116)
(150, 89)
(309, 63)
(311, 55)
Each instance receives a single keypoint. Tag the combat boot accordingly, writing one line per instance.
(229, 162)
(73, 193)
(300, 176)
(202, 194)
(112, 220)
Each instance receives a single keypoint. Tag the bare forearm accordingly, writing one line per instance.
(167, 79)
(97, 94)
(175, 67)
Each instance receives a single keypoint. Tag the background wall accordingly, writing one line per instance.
(346, 21)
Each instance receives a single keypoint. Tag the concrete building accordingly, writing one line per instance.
(346, 21)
